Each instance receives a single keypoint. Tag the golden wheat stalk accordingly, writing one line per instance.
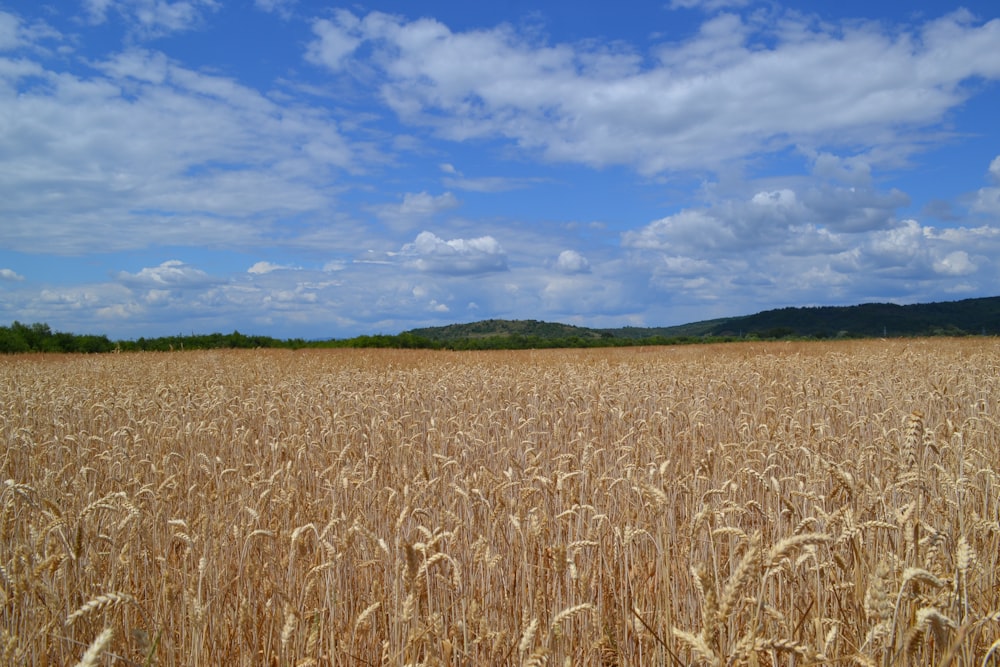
(567, 614)
(528, 636)
(789, 544)
(98, 603)
(92, 657)
(365, 614)
(739, 579)
(698, 646)
(912, 440)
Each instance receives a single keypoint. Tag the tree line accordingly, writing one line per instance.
(39, 337)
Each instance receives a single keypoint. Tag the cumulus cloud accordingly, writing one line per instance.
(456, 256)
(955, 264)
(337, 39)
(987, 200)
(673, 230)
(731, 226)
(266, 267)
(900, 249)
(852, 170)
(853, 209)
(771, 218)
(700, 103)
(79, 304)
(570, 261)
(778, 247)
(172, 274)
(581, 294)
(11, 275)
(911, 251)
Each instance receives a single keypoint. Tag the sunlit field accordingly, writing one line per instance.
(746, 504)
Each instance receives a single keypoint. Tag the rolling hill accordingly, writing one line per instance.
(970, 316)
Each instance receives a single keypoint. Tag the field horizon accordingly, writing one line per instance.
(786, 503)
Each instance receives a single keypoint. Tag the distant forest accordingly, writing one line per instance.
(976, 317)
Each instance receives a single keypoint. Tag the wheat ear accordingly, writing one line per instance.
(93, 655)
(98, 603)
(698, 645)
(739, 578)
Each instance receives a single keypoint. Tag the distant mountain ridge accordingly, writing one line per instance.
(979, 316)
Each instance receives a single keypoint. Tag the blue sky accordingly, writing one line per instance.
(304, 169)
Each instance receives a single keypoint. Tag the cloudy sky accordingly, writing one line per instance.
(300, 168)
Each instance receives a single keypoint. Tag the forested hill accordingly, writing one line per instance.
(969, 316)
(510, 328)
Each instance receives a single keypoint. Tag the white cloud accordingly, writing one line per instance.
(728, 227)
(570, 261)
(337, 39)
(11, 275)
(691, 231)
(852, 209)
(15, 33)
(684, 267)
(855, 170)
(995, 169)
(72, 308)
(415, 207)
(955, 264)
(581, 294)
(830, 245)
(987, 200)
(770, 218)
(172, 274)
(897, 248)
(267, 267)
(158, 297)
(153, 18)
(97, 10)
(430, 253)
(148, 152)
(912, 252)
(137, 64)
(282, 8)
(705, 101)
(9, 29)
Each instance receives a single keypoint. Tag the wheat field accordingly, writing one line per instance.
(746, 504)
